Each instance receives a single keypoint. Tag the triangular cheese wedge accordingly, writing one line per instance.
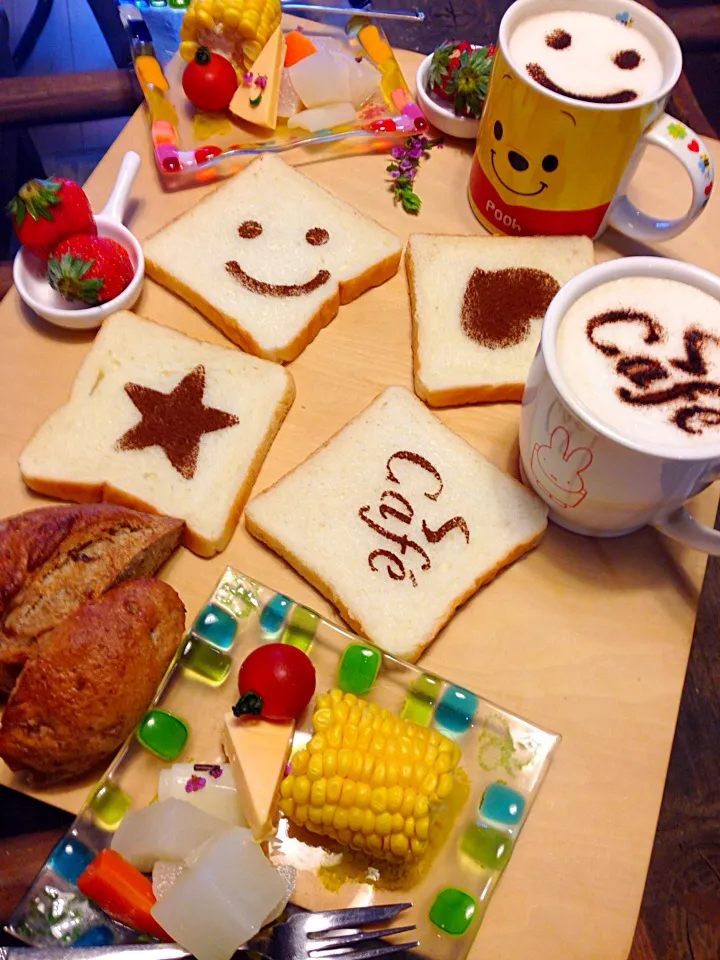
(258, 751)
(269, 65)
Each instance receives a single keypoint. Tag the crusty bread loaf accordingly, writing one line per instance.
(269, 256)
(397, 520)
(58, 558)
(90, 681)
(104, 442)
(477, 307)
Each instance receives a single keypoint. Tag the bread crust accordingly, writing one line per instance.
(91, 680)
(203, 546)
(344, 292)
(450, 396)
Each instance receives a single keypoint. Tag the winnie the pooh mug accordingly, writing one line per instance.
(577, 92)
(620, 420)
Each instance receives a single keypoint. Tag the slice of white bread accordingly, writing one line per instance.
(451, 518)
(297, 236)
(75, 454)
(490, 287)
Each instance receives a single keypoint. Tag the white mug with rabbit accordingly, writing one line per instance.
(595, 480)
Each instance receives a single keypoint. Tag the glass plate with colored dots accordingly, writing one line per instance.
(191, 146)
(503, 760)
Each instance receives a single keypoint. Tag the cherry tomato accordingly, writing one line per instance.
(209, 80)
(276, 681)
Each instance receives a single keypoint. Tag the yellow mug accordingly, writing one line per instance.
(546, 163)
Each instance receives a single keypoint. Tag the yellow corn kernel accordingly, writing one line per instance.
(329, 761)
(368, 824)
(418, 847)
(409, 827)
(355, 819)
(315, 815)
(392, 772)
(322, 719)
(336, 696)
(435, 738)
(408, 802)
(431, 754)
(341, 819)
(420, 771)
(421, 808)
(355, 714)
(397, 822)
(301, 813)
(377, 745)
(315, 767)
(374, 843)
(317, 744)
(347, 795)
(340, 712)
(322, 702)
(429, 784)
(357, 765)
(406, 775)
(395, 798)
(334, 788)
(363, 795)
(300, 762)
(443, 762)
(378, 800)
(287, 806)
(378, 774)
(350, 735)
(301, 790)
(286, 787)
(383, 824)
(445, 785)
(421, 828)
(399, 845)
(334, 737)
(344, 761)
(328, 813)
(318, 793)
(364, 736)
(345, 836)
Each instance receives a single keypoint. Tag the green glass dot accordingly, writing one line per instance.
(163, 734)
(215, 625)
(301, 627)
(453, 911)
(486, 845)
(421, 698)
(109, 805)
(205, 662)
(358, 669)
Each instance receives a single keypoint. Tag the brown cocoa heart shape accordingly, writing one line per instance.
(498, 305)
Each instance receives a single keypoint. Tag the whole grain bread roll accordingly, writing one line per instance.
(55, 559)
(90, 680)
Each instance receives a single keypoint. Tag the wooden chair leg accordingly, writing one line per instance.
(108, 19)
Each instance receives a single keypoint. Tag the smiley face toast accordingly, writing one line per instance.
(269, 257)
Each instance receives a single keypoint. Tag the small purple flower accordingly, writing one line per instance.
(261, 81)
(406, 165)
(397, 152)
(394, 173)
(194, 784)
(358, 59)
(215, 771)
(247, 79)
(415, 151)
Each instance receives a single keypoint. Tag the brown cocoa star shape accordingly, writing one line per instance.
(175, 421)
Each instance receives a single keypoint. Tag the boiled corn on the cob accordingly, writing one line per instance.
(369, 779)
(239, 29)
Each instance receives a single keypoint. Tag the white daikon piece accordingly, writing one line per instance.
(322, 118)
(164, 875)
(321, 78)
(289, 102)
(364, 81)
(166, 830)
(216, 796)
(222, 901)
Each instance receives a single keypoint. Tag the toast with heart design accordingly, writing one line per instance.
(477, 307)
(269, 257)
(397, 520)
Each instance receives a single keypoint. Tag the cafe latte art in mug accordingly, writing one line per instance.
(587, 56)
(642, 354)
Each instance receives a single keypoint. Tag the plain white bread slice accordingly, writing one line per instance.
(450, 367)
(451, 518)
(302, 237)
(74, 454)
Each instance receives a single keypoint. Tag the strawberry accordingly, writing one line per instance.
(459, 72)
(46, 211)
(91, 269)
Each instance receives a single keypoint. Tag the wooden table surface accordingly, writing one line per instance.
(590, 638)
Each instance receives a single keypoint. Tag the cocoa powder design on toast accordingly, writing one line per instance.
(395, 567)
(275, 289)
(174, 421)
(498, 305)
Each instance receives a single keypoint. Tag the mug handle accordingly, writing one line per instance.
(690, 149)
(679, 525)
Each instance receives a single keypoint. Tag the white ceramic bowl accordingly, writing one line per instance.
(444, 118)
(30, 273)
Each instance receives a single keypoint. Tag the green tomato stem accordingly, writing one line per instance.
(250, 703)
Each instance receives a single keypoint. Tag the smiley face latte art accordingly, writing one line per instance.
(587, 56)
(643, 355)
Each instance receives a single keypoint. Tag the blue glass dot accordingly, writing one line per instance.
(215, 625)
(502, 804)
(274, 613)
(455, 711)
(95, 937)
(69, 858)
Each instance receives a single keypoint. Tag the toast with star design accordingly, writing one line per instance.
(165, 423)
(269, 257)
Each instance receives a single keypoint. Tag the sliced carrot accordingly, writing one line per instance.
(119, 889)
(297, 47)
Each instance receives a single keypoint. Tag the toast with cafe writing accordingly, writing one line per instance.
(397, 521)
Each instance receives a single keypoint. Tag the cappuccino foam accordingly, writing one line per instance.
(587, 56)
(643, 355)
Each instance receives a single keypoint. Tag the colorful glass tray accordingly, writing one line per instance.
(193, 147)
(504, 757)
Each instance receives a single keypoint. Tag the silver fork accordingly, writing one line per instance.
(305, 935)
